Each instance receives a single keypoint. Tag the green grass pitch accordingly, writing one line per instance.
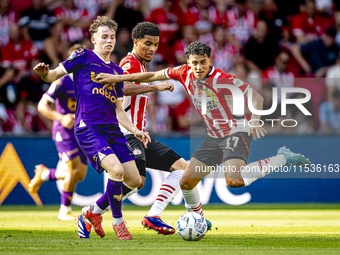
(249, 229)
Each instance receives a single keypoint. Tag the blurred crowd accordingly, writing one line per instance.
(268, 43)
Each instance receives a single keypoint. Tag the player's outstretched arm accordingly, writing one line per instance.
(256, 130)
(131, 89)
(47, 109)
(126, 122)
(49, 75)
(105, 78)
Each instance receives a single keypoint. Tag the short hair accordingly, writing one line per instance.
(145, 28)
(75, 47)
(198, 48)
(102, 21)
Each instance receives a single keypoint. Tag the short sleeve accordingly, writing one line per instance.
(175, 73)
(233, 80)
(75, 61)
(130, 67)
(54, 90)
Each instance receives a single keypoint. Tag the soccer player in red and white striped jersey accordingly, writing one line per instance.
(229, 136)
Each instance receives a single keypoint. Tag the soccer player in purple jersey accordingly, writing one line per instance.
(59, 105)
(96, 123)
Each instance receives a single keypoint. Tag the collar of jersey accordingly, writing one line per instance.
(101, 57)
(136, 58)
(209, 74)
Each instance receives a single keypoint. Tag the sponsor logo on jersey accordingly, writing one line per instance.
(137, 151)
(127, 66)
(106, 93)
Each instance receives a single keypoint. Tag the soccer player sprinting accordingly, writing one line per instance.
(59, 105)
(228, 141)
(96, 123)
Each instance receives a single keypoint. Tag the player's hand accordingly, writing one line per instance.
(165, 86)
(105, 78)
(143, 137)
(42, 69)
(256, 130)
(68, 120)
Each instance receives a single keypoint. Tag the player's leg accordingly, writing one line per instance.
(76, 173)
(236, 151)
(188, 184)
(208, 154)
(161, 157)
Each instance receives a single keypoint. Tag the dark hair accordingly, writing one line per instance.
(241, 1)
(145, 28)
(336, 93)
(198, 48)
(102, 21)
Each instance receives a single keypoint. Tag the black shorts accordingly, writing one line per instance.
(157, 156)
(213, 151)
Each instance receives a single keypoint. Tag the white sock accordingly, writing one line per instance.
(192, 200)
(167, 192)
(117, 221)
(45, 174)
(65, 209)
(261, 168)
(97, 210)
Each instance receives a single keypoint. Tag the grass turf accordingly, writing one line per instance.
(250, 229)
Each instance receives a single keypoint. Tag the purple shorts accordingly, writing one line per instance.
(101, 140)
(69, 149)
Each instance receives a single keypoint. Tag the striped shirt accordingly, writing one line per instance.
(135, 106)
(218, 118)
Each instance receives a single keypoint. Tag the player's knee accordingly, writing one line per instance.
(80, 175)
(142, 183)
(235, 182)
(116, 172)
(180, 164)
(134, 182)
(186, 185)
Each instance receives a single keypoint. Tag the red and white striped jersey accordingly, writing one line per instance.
(241, 27)
(135, 106)
(219, 120)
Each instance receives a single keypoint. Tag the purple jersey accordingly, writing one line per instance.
(61, 92)
(95, 105)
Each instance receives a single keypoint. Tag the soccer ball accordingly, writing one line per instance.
(191, 226)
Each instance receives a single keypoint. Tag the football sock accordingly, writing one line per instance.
(128, 191)
(114, 195)
(167, 192)
(48, 175)
(66, 198)
(192, 200)
(261, 168)
(101, 204)
(65, 209)
(117, 221)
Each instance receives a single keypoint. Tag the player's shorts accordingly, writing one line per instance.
(213, 151)
(69, 149)
(157, 156)
(98, 141)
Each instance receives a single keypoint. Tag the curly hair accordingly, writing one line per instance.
(145, 28)
(198, 48)
(102, 21)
